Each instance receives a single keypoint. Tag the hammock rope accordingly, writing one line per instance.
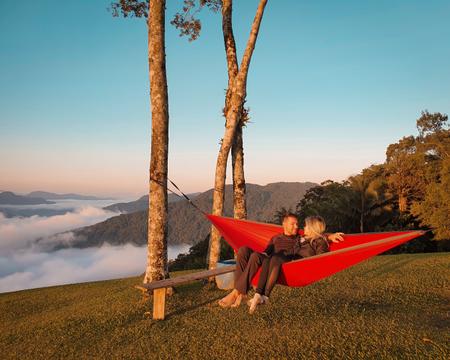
(183, 195)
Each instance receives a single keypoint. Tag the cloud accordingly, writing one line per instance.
(25, 264)
(67, 204)
(26, 269)
(49, 243)
(19, 233)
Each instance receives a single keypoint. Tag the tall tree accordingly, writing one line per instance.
(434, 210)
(234, 109)
(415, 162)
(434, 139)
(154, 10)
(237, 150)
(404, 172)
(157, 212)
(372, 198)
(335, 202)
(189, 25)
(358, 204)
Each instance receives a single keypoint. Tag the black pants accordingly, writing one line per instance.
(270, 271)
(247, 264)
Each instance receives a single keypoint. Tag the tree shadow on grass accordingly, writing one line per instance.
(187, 296)
(184, 310)
(386, 267)
(370, 305)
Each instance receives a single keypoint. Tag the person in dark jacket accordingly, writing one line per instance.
(314, 242)
(248, 261)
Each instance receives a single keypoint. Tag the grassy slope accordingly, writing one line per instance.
(388, 307)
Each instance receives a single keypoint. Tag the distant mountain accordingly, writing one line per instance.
(9, 198)
(52, 196)
(186, 224)
(142, 204)
(10, 212)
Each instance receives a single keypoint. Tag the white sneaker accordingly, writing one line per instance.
(264, 299)
(254, 303)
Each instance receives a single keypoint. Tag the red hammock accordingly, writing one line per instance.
(355, 248)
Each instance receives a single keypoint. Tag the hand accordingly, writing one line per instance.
(336, 237)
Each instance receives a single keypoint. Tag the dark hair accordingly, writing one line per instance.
(289, 215)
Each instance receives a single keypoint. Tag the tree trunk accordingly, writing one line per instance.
(402, 203)
(237, 152)
(230, 46)
(238, 93)
(361, 221)
(239, 204)
(157, 213)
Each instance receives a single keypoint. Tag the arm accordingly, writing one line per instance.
(297, 247)
(268, 251)
(335, 237)
(321, 246)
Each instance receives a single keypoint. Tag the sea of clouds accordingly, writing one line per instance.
(27, 269)
(21, 232)
(25, 264)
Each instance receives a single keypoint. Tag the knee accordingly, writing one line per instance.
(276, 260)
(244, 252)
(255, 258)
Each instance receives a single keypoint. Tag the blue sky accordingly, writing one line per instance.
(331, 84)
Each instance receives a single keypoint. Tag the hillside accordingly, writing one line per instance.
(10, 212)
(186, 224)
(53, 196)
(142, 204)
(9, 198)
(390, 307)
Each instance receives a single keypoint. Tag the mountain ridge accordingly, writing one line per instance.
(69, 196)
(186, 225)
(142, 203)
(9, 198)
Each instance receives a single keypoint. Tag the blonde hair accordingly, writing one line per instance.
(316, 225)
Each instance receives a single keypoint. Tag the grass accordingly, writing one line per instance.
(390, 307)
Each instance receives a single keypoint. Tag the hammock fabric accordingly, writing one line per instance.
(354, 249)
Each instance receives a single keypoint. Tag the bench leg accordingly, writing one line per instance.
(159, 303)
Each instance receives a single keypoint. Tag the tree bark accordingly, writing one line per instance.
(230, 45)
(237, 151)
(237, 97)
(157, 214)
(361, 220)
(402, 203)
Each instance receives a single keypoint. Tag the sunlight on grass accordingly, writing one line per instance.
(388, 307)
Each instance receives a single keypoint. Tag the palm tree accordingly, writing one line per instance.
(372, 198)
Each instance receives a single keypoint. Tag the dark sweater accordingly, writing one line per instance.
(296, 246)
(313, 247)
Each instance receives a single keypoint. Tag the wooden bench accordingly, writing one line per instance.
(159, 287)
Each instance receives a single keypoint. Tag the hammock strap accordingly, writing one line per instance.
(186, 197)
(180, 196)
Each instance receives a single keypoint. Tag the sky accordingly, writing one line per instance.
(331, 85)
